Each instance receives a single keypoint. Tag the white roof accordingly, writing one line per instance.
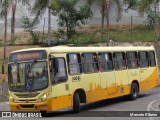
(66, 49)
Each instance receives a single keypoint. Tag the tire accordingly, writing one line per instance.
(76, 103)
(134, 91)
(43, 113)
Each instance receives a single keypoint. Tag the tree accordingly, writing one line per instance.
(12, 4)
(105, 10)
(29, 27)
(72, 17)
(39, 9)
(118, 6)
(146, 7)
(149, 7)
(3, 14)
(131, 4)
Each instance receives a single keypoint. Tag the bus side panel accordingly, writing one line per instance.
(87, 82)
(107, 80)
(61, 102)
(134, 74)
(151, 79)
(92, 85)
(122, 82)
(110, 92)
(112, 88)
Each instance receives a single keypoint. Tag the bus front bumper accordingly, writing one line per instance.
(31, 106)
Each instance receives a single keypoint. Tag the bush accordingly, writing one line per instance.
(13, 41)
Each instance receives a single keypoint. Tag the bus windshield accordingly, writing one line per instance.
(30, 76)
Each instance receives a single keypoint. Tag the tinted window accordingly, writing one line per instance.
(152, 61)
(143, 59)
(132, 61)
(58, 70)
(90, 62)
(119, 61)
(105, 62)
(74, 64)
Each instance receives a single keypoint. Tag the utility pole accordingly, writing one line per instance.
(131, 29)
(107, 17)
(5, 31)
(49, 22)
(43, 29)
(156, 24)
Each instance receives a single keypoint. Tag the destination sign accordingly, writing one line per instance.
(28, 55)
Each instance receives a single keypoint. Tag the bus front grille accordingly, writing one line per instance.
(27, 95)
(33, 100)
(27, 106)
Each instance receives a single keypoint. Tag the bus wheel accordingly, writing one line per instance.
(76, 103)
(43, 113)
(134, 91)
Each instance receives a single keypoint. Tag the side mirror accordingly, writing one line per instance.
(3, 68)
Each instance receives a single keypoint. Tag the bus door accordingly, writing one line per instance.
(121, 72)
(59, 79)
(106, 72)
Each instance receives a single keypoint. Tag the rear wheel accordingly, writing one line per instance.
(134, 91)
(76, 103)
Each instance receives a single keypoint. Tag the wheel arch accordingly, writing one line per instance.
(82, 95)
(136, 81)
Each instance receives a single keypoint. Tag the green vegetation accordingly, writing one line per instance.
(70, 17)
(29, 27)
(140, 33)
(13, 41)
(1, 42)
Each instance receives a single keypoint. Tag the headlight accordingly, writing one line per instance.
(12, 99)
(43, 98)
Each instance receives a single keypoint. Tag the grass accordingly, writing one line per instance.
(1, 42)
(13, 41)
(140, 33)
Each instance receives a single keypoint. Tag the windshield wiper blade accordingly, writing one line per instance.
(30, 68)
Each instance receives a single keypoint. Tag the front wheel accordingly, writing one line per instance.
(43, 113)
(76, 103)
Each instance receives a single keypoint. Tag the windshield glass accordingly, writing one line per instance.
(30, 76)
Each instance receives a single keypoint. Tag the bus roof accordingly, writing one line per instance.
(66, 49)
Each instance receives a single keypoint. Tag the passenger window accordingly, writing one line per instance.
(105, 62)
(119, 61)
(90, 62)
(143, 59)
(132, 61)
(74, 64)
(152, 61)
(58, 70)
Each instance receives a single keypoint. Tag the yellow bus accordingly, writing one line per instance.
(52, 78)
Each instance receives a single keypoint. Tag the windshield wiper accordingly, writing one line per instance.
(31, 66)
